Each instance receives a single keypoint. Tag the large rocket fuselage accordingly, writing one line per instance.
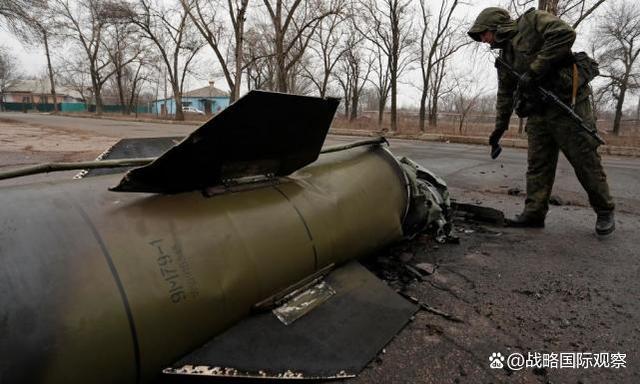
(98, 286)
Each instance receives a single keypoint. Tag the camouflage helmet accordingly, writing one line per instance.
(490, 19)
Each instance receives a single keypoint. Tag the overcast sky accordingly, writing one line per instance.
(469, 61)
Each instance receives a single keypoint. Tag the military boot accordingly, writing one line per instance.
(525, 220)
(605, 224)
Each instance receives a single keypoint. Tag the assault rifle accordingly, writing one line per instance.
(551, 98)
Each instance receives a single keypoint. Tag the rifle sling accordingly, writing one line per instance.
(574, 92)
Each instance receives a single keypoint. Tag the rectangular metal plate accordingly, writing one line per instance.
(335, 340)
(304, 302)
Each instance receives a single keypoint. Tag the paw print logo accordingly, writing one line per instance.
(496, 360)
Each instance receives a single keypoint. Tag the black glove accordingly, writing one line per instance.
(528, 80)
(495, 136)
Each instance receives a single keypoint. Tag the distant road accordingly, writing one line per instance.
(462, 166)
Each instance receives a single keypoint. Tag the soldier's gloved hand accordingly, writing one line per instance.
(528, 80)
(495, 136)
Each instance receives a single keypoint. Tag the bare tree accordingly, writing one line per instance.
(9, 73)
(574, 11)
(343, 76)
(437, 87)
(74, 74)
(387, 24)
(293, 24)
(361, 68)
(619, 46)
(205, 15)
(85, 22)
(177, 44)
(381, 82)
(297, 82)
(328, 45)
(40, 27)
(465, 97)
(13, 13)
(260, 64)
(32, 23)
(439, 40)
(126, 56)
(352, 74)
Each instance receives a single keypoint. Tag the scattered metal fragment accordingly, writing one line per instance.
(557, 200)
(477, 213)
(514, 191)
(428, 308)
(417, 274)
(303, 302)
(426, 268)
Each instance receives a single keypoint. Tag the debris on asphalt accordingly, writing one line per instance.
(416, 273)
(426, 268)
(478, 213)
(430, 309)
(557, 200)
(514, 191)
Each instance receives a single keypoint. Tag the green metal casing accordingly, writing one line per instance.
(105, 287)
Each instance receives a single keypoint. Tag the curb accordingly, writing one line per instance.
(133, 119)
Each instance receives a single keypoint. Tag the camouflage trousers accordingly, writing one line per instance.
(550, 132)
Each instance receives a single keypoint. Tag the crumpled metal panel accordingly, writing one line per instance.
(430, 205)
(263, 133)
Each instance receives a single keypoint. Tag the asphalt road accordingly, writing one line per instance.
(470, 167)
(559, 289)
(467, 167)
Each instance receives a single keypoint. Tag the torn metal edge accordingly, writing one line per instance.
(227, 372)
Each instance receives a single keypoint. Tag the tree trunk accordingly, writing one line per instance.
(394, 95)
(354, 106)
(423, 110)
(97, 92)
(179, 113)
(550, 6)
(281, 75)
(123, 104)
(433, 113)
(381, 104)
(618, 115)
(520, 125)
(50, 68)
(239, 51)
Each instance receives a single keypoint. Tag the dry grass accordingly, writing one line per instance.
(450, 126)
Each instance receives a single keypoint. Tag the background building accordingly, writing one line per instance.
(209, 99)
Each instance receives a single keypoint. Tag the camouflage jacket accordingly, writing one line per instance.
(540, 42)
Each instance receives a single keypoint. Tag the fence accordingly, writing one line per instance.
(65, 107)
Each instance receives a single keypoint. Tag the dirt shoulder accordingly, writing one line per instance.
(479, 140)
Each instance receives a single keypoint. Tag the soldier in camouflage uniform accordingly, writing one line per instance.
(538, 45)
